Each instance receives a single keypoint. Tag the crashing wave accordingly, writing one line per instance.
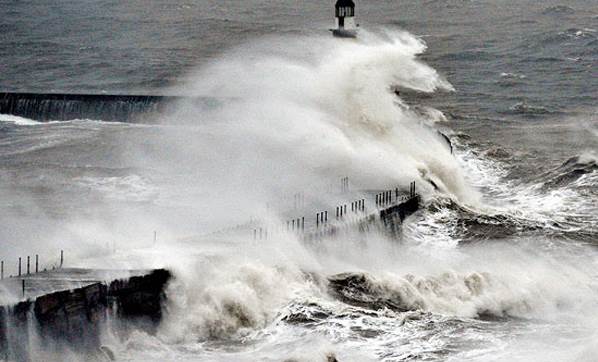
(570, 171)
(478, 295)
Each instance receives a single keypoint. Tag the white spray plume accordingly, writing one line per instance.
(297, 114)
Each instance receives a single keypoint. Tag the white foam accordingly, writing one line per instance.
(328, 109)
(130, 187)
(19, 121)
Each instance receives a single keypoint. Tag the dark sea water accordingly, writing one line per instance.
(499, 265)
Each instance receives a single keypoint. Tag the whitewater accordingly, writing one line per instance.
(498, 265)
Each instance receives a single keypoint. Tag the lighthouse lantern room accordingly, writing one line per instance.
(345, 19)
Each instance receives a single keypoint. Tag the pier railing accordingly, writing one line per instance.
(326, 222)
(30, 265)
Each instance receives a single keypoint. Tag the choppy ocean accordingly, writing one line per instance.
(500, 264)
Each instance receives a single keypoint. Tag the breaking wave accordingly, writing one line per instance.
(572, 170)
(329, 109)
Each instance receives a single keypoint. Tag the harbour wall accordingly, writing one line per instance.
(65, 107)
(74, 319)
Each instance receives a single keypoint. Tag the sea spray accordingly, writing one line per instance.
(298, 110)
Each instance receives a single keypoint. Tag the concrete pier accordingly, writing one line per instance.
(64, 107)
(389, 216)
(358, 209)
(74, 317)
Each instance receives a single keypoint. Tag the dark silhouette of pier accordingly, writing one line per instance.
(65, 107)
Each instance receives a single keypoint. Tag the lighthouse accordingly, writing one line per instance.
(345, 19)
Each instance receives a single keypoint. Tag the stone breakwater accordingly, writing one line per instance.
(75, 319)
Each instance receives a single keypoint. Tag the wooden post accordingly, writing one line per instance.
(1, 269)
(19, 266)
(36, 263)
(23, 283)
(61, 258)
(28, 265)
(326, 216)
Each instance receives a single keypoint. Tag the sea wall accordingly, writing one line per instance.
(64, 107)
(73, 319)
(105, 107)
(392, 217)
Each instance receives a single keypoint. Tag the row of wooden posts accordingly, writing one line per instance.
(298, 225)
(385, 198)
(345, 184)
(29, 269)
